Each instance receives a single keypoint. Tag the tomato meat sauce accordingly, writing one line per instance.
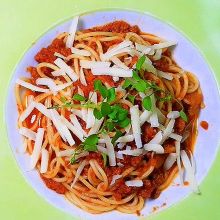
(56, 186)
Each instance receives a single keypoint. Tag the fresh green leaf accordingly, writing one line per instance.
(183, 116)
(127, 83)
(140, 62)
(98, 86)
(122, 114)
(104, 156)
(110, 125)
(91, 140)
(78, 97)
(147, 104)
(140, 86)
(88, 147)
(105, 108)
(114, 111)
(131, 98)
(124, 123)
(118, 134)
(97, 114)
(111, 95)
(135, 75)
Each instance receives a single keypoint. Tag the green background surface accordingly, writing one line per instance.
(22, 22)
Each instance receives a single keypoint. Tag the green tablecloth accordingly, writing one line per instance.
(22, 22)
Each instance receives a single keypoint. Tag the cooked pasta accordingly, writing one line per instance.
(108, 117)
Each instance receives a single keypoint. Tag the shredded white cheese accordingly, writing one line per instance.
(37, 148)
(78, 172)
(135, 152)
(27, 111)
(135, 124)
(112, 71)
(31, 87)
(126, 138)
(110, 150)
(82, 77)
(44, 161)
(72, 32)
(28, 133)
(87, 64)
(114, 178)
(81, 52)
(90, 117)
(157, 148)
(67, 69)
(134, 183)
(170, 160)
(165, 75)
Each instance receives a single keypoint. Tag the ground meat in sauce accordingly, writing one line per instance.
(47, 54)
(180, 125)
(117, 26)
(56, 186)
(161, 64)
(148, 132)
(194, 101)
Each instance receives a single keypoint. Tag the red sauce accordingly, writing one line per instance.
(138, 213)
(185, 183)
(107, 44)
(28, 119)
(47, 54)
(180, 125)
(117, 26)
(148, 132)
(194, 101)
(204, 125)
(56, 186)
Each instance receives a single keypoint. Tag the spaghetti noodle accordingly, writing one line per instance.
(108, 117)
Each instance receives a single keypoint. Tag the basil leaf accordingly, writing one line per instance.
(135, 75)
(111, 95)
(131, 98)
(98, 86)
(183, 116)
(140, 62)
(122, 115)
(88, 147)
(140, 86)
(124, 123)
(78, 97)
(91, 140)
(97, 114)
(105, 108)
(147, 104)
(110, 126)
(117, 135)
(126, 84)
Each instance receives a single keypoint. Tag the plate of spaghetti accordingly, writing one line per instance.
(103, 112)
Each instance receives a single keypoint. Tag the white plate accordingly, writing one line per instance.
(186, 55)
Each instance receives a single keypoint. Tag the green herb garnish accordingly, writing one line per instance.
(183, 116)
(78, 97)
(147, 103)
